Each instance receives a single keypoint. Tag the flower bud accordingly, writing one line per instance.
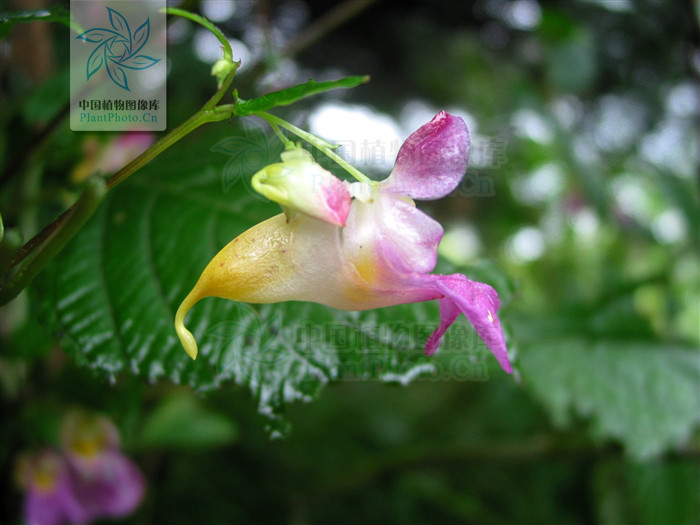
(222, 68)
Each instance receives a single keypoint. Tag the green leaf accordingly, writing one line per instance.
(644, 394)
(182, 422)
(56, 13)
(290, 95)
(94, 192)
(112, 293)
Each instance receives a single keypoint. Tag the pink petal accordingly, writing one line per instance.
(401, 241)
(432, 161)
(115, 487)
(300, 184)
(57, 504)
(335, 202)
(122, 486)
(478, 302)
(124, 149)
(413, 234)
(391, 230)
(448, 313)
(44, 509)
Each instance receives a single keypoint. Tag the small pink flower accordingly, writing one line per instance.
(382, 256)
(109, 483)
(91, 480)
(111, 156)
(123, 149)
(50, 498)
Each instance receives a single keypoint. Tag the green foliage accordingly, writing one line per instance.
(638, 493)
(56, 13)
(647, 395)
(291, 95)
(182, 422)
(48, 100)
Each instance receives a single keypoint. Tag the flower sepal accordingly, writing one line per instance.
(300, 184)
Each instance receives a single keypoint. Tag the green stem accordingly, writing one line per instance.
(196, 120)
(288, 144)
(318, 143)
(228, 53)
(224, 83)
(94, 192)
(210, 112)
(9, 245)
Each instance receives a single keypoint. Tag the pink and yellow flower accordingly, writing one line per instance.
(108, 482)
(109, 157)
(90, 479)
(364, 248)
(49, 495)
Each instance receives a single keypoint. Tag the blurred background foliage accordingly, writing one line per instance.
(580, 205)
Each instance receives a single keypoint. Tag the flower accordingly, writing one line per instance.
(50, 498)
(91, 479)
(382, 256)
(111, 156)
(108, 482)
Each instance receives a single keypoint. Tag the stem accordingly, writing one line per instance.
(288, 144)
(221, 91)
(320, 144)
(228, 53)
(326, 24)
(226, 47)
(196, 120)
(75, 218)
(209, 113)
(11, 241)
